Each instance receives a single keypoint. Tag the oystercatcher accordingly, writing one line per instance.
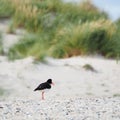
(44, 86)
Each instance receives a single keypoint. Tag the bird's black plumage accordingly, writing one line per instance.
(45, 85)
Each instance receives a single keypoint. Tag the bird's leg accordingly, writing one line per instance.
(43, 95)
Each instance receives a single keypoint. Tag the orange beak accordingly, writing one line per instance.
(53, 83)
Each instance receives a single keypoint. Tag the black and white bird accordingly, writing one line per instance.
(44, 86)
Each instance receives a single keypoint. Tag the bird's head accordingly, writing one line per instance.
(50, 81)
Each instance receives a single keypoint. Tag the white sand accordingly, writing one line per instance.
(20, 77)
(56, 109)
(78, 94)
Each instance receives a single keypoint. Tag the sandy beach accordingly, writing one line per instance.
(61, 109)
(78, 94)
(20, 77)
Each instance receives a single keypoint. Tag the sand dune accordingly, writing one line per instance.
(20, 77)
(79, 93)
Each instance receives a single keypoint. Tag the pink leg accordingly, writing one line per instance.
(42, 95)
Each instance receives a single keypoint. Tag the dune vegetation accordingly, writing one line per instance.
(61, 29)
(1, 46)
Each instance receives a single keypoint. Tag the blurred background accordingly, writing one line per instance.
(62, 29)
(35, 32)
(111, 7)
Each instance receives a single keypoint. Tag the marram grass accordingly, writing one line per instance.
(88, 38)
(61, 29)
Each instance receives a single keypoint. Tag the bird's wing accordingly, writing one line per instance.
(43, 86)
(38, 88)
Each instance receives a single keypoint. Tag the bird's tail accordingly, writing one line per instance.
(35, 89)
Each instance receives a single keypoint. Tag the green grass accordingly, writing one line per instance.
(30, 45)
(37, 16)
(6, 9)
(61, 29)
(11, 28)
(89, 67)
(88, 38)
(1, 46)
(117, 38)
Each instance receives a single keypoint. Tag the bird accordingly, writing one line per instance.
(44, 86)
